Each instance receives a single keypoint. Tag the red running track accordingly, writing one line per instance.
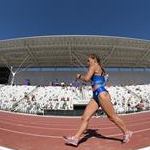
(26, 132)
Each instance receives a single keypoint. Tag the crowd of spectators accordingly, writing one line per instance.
(34, 99)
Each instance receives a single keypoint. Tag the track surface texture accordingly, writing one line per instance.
(27, 132)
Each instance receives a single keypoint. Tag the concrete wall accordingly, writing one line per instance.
(129, 77)
(116, 77)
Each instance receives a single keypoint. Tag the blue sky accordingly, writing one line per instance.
(24, 18)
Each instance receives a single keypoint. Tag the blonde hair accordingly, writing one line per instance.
(96, 57)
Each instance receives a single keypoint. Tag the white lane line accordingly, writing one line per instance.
(145, 148)
(49, 128)
(39, 116)
(30, 134)
(5, 148)
(138, 131)
(42, 122)
(93, 124)
(59, 137)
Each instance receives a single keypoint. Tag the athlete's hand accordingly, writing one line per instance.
(78, 76)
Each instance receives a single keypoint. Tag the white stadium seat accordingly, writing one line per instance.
(32, 99)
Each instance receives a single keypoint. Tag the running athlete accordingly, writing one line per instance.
(101, 97)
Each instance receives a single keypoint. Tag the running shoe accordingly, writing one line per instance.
(127, 137)
(71, 140)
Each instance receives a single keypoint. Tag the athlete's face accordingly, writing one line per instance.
(90, 61)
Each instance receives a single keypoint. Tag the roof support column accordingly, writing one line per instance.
(79, 61)
(17, 71)
(71, 57)
(144, 55)
(13, 73)
(108, 56)
(32, 55)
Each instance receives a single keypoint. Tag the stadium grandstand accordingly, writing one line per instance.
(38, 74)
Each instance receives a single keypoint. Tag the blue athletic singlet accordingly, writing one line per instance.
(98, 80)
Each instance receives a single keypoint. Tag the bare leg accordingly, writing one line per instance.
(107, 106)
(88, 113)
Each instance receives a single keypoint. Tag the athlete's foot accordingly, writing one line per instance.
(127, 137)
(71, 140)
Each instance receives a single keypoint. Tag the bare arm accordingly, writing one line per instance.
(88, 75)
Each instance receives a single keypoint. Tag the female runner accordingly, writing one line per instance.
(101, 97)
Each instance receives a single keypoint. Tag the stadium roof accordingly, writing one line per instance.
(72, 51)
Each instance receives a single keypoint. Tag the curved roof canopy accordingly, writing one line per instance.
(72, 51)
